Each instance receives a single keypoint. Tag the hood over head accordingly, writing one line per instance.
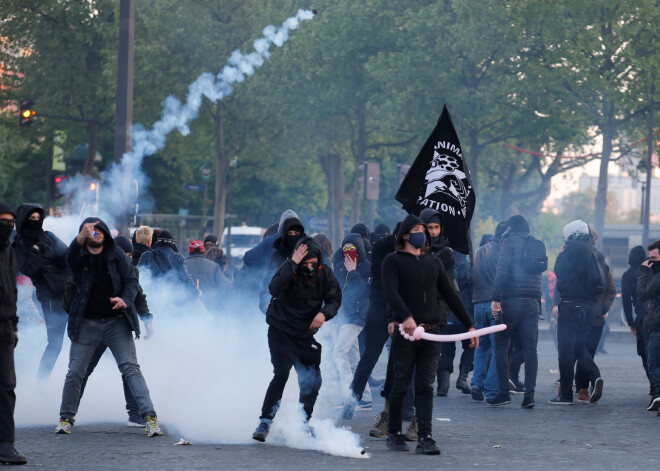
(124, 243)
(313, 249)
(108, 241)
(431, 216)
(637, 255)
(324, 242)
(408, 223)
(288, 214)
(291, 223)
(518, 224)
(24, 211)
(5, 209)
(356, 240)
(382, 229)
(361, 229)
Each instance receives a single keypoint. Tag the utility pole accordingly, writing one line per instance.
(124, 99)
(646, 209)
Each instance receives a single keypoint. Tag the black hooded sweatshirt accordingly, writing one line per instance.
(413, 285)
(297, 299)
(120, 271)
(629, 298)
(8, 275)
(41, 256)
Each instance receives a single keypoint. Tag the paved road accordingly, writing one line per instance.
(617, 433)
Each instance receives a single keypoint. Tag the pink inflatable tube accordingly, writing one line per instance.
(420, 334)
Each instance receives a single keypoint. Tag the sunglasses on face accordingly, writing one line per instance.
(349, 249)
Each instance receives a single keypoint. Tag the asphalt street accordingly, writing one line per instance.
(616, 433)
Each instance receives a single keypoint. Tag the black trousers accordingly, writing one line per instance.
(375, 331)
(448, 351)
(304, 354)
(642, 343)
(7, 381)
(420, 356)
(591, 344)
(131, 404)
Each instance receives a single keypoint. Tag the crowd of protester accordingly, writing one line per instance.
(374, 288)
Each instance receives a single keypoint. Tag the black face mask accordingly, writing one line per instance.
(655, 266)
(309, 271)
(5, 234)
(290, 241)
(31, 229)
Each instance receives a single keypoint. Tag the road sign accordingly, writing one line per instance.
(191, 187)
(206, 172)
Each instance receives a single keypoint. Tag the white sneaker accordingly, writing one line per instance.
(130, 423)
(63, 427)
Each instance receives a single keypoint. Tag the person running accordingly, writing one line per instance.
(102, 314)
(414, 282)
(305, 294)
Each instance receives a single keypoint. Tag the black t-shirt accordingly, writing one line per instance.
(99, 304)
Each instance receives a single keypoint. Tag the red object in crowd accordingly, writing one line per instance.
(196, 246)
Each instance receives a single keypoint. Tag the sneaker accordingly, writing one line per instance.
(560, 402)
(396, 442)
(411, 431)
(655, 404)
(528, 403)
(583, 395)
(380, 427)
(427, 446)
(151, 426)
(9, 455)
(515, 387)
(478, 396)
(64, 426)
(499, 400)
(261, 432)
(132, 423)
(596, 391)
(364, 405)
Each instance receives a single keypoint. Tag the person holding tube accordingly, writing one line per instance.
(414, 283)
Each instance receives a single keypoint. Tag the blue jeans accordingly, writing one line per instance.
(484, 376)
(116, 333)
(653, 354)
(521, 315)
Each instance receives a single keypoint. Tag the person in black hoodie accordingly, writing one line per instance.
(8, 339)
(102, 313)
(41, 256)
(164, 260)
(292, 231)
(352, 270)
(364, 232)
(305, 295)
(629, 301)
(648, 289)
(414, 283)
(516, 299)
(580, 282)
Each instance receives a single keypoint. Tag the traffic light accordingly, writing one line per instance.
(56, 185)
(27, 113)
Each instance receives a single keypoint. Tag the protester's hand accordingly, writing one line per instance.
(299, 254)
(633, 330)
(474, 342)
(318, 321)
(58, 213)
(150, 330)
(390, 328)
(606, 316)
(496, 307)
(349, 263)
(647, 263)
(118, 303)
(409, 326)
(555, 311)
(86, 232)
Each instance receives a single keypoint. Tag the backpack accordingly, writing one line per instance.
(534, 258)
(597, 275)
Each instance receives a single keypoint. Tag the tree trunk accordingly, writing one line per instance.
(646, 216)
(221, 173)
(600, 204)
(333, 168)
(359, 156)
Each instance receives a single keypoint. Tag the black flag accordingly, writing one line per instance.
(439, 179)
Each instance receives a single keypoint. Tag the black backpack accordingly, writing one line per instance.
(534, 258)
(597, 276)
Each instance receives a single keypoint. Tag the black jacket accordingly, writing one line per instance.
(629, 298)
(414, 286)
(8, 292)
(484, 271)
(648, 289)
(511, 279)
(379, 251)
(163, 260)
(43, 259)
(354, 285)
(281, 253)
(298, 299)
(138, 250)
(573, 267)
(122, 273)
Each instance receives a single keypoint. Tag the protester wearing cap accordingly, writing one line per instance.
(580, 283)
(207, 276)
(8, 338)
(210, 241)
